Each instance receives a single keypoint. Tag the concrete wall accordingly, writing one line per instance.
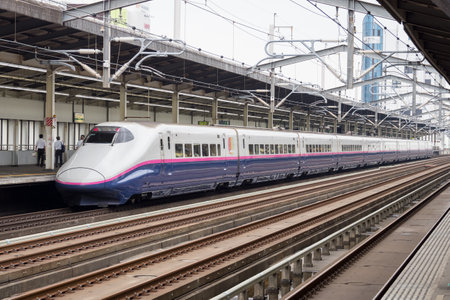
(33, 110)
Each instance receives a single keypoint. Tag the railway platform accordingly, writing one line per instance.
(427, 274)
(25, 174)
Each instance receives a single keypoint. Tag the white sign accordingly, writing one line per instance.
(371, 39)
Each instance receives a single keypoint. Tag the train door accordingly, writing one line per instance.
(165, 148)
(243, 152)
(302, 155)
(225, 154)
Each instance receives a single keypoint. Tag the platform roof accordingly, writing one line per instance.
(31, 33)
(427, 22)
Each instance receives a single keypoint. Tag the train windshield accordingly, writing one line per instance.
(109, 135)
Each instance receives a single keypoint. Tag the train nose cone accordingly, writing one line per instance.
(81, 176)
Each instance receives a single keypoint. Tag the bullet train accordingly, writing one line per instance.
(128, 161)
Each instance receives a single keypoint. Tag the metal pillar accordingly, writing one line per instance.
(123, 101)
(214, 109)
(308, 122)
(335, 126)
(245, 114)
(15, 158)
(291, 119)
(50, 128)
(272, 99)
(414, 93)
(175, 107)
(176, 19)
(106, 44)
(350, 42)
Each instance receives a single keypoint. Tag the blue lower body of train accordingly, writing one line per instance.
(172, 178)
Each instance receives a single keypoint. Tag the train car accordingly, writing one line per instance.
(152, 159)
(318, 153)
(127, 161)
(352, 151)
(267, 156)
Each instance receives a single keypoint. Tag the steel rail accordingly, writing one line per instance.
(152, 285)
(123, 268)
(247, 284)
(33, 219)
(319, 280)
(91, 229)
(27, 259)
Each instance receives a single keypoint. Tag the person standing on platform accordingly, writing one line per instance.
(80, 142)
(40, 148)
(59, 145)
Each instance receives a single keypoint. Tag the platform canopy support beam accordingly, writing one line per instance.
(106, 44)
(123, 101)
(215, 110)
(245, 116)
(291, 119)
(175, 107)
(50, 119)
(350, 42)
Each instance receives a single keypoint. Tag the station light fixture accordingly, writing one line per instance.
(25, 89)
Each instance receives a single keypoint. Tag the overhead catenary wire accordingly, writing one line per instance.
(100, 60)
(362, 42)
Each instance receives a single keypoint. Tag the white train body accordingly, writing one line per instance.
(122, 160)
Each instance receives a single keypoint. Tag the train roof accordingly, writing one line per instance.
(227, 127)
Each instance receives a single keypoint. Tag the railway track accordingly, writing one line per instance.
(30, 223)
(333, 272)
(324, 213)
(169, 220)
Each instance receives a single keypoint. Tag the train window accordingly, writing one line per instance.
(289, 149)
(205, 150)
(293, 148)
(281, 149)
(223, 143)
(123, 135)
(108, 134)
(250, 149)
(261, 149)
(243, 143)
(285, 149)
(161, 145)
(212, 150)
(218, 150)
(272, 149)
(277, 149)
(266, 149)
(168, 142)
(256, 149)
(197, 150)
(187, 150)
(178, 150)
